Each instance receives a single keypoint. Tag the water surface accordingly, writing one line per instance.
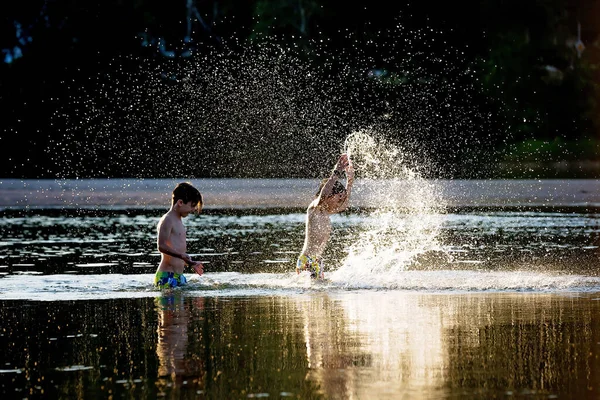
(469, 302)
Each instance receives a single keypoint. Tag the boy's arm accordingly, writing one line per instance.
(328, 187)
(349, 183)
(164, 232)
(335, 174)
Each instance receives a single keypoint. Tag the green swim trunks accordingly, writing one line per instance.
(312, 264)
(166, 280)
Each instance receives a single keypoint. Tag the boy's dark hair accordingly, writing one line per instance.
(338, 187)
(186, 192)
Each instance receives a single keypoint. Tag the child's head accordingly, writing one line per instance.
(185, 192)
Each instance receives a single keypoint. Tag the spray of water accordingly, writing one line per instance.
(404, 210)
(284, 103)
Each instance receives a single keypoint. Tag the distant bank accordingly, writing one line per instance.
(292, 193)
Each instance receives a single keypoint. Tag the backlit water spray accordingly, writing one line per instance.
(403, 211)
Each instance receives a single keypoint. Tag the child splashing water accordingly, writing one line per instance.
(331, 197)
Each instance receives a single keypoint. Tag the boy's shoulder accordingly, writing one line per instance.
(167, 217)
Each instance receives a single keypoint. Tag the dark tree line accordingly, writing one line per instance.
(101, 89)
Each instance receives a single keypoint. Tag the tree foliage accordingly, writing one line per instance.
(503, 72)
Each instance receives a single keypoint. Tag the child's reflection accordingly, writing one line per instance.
(332, 351)
(175, 367)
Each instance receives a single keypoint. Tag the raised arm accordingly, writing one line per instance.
(340, 166)
(349, 182)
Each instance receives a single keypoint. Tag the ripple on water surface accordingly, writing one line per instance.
(107, 286)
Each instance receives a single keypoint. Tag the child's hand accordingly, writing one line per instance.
(342, 163)
(198, 267)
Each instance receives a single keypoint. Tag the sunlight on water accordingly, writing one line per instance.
(406, 211)
(391, 334)
(230, 284)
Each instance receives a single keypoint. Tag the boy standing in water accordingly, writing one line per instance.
(171, 240)
(332, 197)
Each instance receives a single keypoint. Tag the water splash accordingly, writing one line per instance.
(62, 287)
(404, 210)
(215, 113)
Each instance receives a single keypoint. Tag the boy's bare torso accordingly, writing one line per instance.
(176, 239)
(318, 230)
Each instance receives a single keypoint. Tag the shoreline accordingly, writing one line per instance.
(19, 194)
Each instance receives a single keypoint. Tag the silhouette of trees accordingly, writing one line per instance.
(533, 67)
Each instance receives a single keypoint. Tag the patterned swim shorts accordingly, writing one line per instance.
(165, 280)
(312, 264)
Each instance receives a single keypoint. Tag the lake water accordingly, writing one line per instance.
(494, 295)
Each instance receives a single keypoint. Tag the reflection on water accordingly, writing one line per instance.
(475, 345)
(75, 349)
(346, 345)
(175, 366)
(231, 348)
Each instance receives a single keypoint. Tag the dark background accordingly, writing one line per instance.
(272, 88)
